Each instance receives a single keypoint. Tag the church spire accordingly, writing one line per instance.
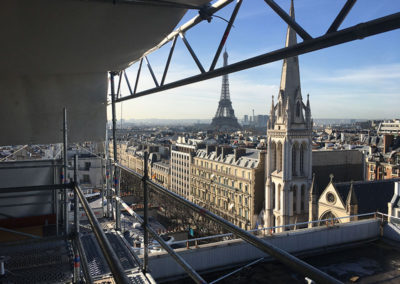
(290, 79)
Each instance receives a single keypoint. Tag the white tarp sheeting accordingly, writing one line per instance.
(31, 109)
(56, 54)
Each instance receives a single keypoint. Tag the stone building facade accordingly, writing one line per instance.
(180, 163)
(230, 183)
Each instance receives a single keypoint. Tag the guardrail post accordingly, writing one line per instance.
(76, 200)
(66, 197)
(145, 213)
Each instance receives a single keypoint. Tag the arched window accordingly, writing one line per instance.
(294, 160)
(273, 153)
(273, 196)
(303, 197)
(329, 215)
(279, 197)
(302, 159)
(298, 107)
(294, 199)
(279, 157)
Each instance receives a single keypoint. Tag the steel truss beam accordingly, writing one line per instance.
(331, 38)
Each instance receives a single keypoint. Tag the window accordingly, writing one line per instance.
(294, 150)
(86, 179)
(240, 185)
(279, 197)
(294, 199)
(298, 109)
(246, 188)
(302, 159)
(273, 196)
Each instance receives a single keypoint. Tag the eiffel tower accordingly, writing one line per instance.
(225, 117)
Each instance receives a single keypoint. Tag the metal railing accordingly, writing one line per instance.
(274, 228)
(113, 261)
(284, 257)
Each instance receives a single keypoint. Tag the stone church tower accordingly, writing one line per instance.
(288, 173)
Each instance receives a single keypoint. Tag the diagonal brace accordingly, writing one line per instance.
(341, 16)
(291, 22)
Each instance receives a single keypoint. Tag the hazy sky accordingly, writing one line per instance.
(360, 79)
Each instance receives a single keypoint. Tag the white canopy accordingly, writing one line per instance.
(56, 54)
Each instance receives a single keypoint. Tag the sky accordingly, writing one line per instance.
(360, 79)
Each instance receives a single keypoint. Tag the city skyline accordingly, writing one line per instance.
(354, 80)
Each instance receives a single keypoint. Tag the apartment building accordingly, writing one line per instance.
(229, 182)
(181, 160)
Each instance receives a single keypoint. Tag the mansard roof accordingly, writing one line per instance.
(249, 160)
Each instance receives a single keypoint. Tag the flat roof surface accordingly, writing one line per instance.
(373, 262)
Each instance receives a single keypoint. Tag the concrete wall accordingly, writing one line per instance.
(230, 253)
(391, 232)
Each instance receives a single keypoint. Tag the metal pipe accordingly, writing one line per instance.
(359, 31)
(341, 16)
(171, 51)
(113, 262)
(236, 270)
(281, 255)
(55, 194)
(65, 136)
(145, 214)
(31, 167)
(226, 34)
(84, 262)
(289, 20)
(34, 188)
(191, 272)
(109, 193)
(76, 200)
(24, 195)
(25, 204)
(119, 83)
(192, 53)
(129, 247)
(114, 123)
(127, 82)
(151, 71)
(275, 227)
(103, 178)
(137, 76)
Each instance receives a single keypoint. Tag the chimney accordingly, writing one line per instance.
(387, 142)
(226, 150)
(218, 150)
(209, 149)
(239, 152)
